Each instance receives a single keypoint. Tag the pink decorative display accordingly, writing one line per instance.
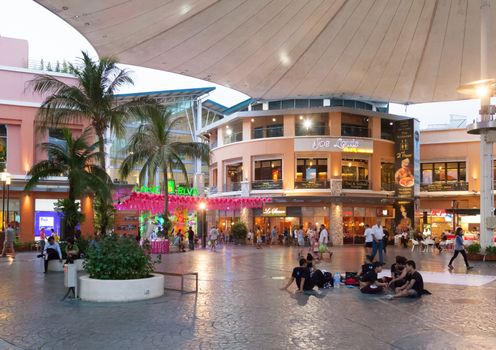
(155, 203)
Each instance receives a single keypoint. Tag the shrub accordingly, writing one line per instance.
(239, 231)
(117, 258)
(474, 248)
(491, 250)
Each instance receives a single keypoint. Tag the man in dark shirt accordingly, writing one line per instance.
(369, 283)
(301, 275)
(191, 239)
(414, 286)
(398, 273)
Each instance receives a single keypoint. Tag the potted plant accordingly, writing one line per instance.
(239, 232)
(119, 270)
(490, 254)
(474, 252)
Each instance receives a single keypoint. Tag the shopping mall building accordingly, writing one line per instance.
(337, 162)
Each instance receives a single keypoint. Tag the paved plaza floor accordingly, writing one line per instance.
(240, 306)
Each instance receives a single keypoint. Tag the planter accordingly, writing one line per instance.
(57, 266)
(490, 257)
(91, 289)
(475, 256)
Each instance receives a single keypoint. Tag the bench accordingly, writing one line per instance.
(174, 274)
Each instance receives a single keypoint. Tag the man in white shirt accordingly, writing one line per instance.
(323, 240)
(369, 239)
(214, 233)
(377, 235)
(52, 251)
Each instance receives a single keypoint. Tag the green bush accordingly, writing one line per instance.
(117, 258)
(239, 231)
(491, 250)
(474, 248)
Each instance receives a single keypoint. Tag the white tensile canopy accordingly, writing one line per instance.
(405, 51)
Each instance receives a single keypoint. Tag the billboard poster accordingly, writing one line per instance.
(405, 159)
(404, 215)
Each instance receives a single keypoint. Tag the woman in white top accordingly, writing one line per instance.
(323, 241)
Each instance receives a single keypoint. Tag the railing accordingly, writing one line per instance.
(213, 145)
(315, 130)
(232, 187)
(266, 185)
(267, 132)
(234, 137)
(311, 184)
(444, 186)
(356, 184)
(353, 130)
(388, 187)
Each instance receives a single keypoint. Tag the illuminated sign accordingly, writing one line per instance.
(171, 188)
(274, 211)
(333, 144)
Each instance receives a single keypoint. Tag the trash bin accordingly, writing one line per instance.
(70, 278)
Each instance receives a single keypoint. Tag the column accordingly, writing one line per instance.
(375, 127)
(246, 129)
(336, 223)
(27, 217)
(289, 125)
(335, 124)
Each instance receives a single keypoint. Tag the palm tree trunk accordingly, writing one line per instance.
(101, 148)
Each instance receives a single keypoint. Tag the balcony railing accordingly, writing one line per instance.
(354, 130)
(444, 186)
(315, 130)
(303, 184)
(213, 145)
(267, 132)
(232, 187)
(356, 184)
(266, 185)
(234, 137)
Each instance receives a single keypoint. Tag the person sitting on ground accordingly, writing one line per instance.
(398, 273)
(414, 286)
(370, 284)
(72, 251)
(301, 275)
(52, 251)
(367, 266)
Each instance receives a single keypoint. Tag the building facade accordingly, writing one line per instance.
(320, 164)
(19, 140)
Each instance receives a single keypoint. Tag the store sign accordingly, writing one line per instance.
(172, 189)
(274, 211)
(333, 144)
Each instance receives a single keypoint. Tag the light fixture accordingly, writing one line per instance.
(229, 132)
(227, 126)
(252, 120)
(391, 123)
(311, 163)
(272, 165)
(301, 117)
(202, 206)
(479, 88)
(307, 123)
(273, 119)
(8, 181)
(349, 165)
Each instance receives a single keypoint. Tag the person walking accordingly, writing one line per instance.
(459, 249)
(323, 242)
(214, 234)
(191, 239)
(369, 240)
(8, 244)
(377, 244)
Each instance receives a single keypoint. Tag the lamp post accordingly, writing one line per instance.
(486, 128)
(4, 177)
(203, 210)
(8, 181)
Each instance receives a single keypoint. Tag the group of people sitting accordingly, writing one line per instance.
(405, 280)
(52, 251)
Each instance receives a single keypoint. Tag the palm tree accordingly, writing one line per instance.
(78, 160)
(154, 148)
(91, 99)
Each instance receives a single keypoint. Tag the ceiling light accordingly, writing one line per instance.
(252, 120)
(301, 117)
(273, 119)
(307, 123)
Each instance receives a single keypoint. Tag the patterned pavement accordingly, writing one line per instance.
(240, 306)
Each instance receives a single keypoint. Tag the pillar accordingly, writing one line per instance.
(246, 129)
(27, 217)
(289, 125)
(335, 123)
(88, 225)
(375, 128)
(336, 223)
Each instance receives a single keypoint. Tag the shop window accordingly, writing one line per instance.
(387, 176)
(312, 125)
(355, 173)
(268, 174)
(3, 147)
(270, 127)
(234, 176)
(233, 133)
(355, 125)
(444, 176)
(311, 173)
(56, 137)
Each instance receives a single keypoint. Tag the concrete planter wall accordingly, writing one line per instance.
(57, 266)
(91, 289)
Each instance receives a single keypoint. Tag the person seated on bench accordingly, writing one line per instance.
(52, 251)
(72, 251)
(369, 283)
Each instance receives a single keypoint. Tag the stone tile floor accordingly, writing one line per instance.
(240, 306)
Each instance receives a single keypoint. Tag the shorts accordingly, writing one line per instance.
(368, 245)
(412, 293)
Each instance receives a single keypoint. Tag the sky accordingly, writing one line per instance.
(56, 40)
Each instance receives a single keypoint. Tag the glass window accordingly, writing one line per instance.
(288, 104)
(233, 133)
(387, 176)
(312, 170)
(3, 147)
(268, 170)
(314, 124)
(275, 130)
(234, 176)
(452, 172)
(444, 176)
(355, 173)
(302, 103)
(427, 173)
(275, 105)
(387, 129)
(439, 171)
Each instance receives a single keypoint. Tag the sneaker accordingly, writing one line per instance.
(470, 267)
(450, 267)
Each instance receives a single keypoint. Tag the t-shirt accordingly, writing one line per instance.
(459, 243)
(419, 281)
(368, 235)
(395, 271)
(367, 268)
(378, 232)
(302, 272)
(214, 233)
(324, 236)
(370, 276)
(191, 234)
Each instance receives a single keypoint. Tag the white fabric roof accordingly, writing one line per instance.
(389, 50)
